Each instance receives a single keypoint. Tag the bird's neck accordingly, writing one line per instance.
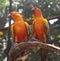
(40, 16)
(18, 21)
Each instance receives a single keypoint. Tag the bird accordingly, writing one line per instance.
(40, 28)
(20, 28)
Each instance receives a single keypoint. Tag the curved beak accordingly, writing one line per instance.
(33, 10)
(10, 16)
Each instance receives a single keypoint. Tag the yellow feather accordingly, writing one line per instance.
(12, 30)
(46, 24)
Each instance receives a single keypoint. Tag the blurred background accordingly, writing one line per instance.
(51, 11)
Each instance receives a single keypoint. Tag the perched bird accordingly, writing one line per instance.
(19, 28)
(40, 28)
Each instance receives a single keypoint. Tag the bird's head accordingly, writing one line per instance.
(36, 11)
(16, 16)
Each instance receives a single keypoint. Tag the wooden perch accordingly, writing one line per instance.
(35, 44)
(18, 48)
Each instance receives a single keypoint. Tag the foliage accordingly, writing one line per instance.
(49, 8)
(3, 5)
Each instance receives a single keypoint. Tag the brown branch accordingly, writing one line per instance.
(54, 17)
(35, 44)
(3, 29)
(23, 58)
(18, 48)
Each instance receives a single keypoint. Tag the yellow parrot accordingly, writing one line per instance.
(40, 28)
(19, 28)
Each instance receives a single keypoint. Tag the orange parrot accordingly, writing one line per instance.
(19, 28)
(40, 28)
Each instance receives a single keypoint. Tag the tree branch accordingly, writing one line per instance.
(54, 17)
(35, 44)
(18, 48)
(3, 29)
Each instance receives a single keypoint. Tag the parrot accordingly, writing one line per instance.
(40, 28)
(20, 28)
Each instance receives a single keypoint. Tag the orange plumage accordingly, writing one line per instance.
(38, 25)
(20, 30)
(39, 29)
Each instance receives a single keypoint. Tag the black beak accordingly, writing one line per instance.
(9, 16)
(32, 10)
